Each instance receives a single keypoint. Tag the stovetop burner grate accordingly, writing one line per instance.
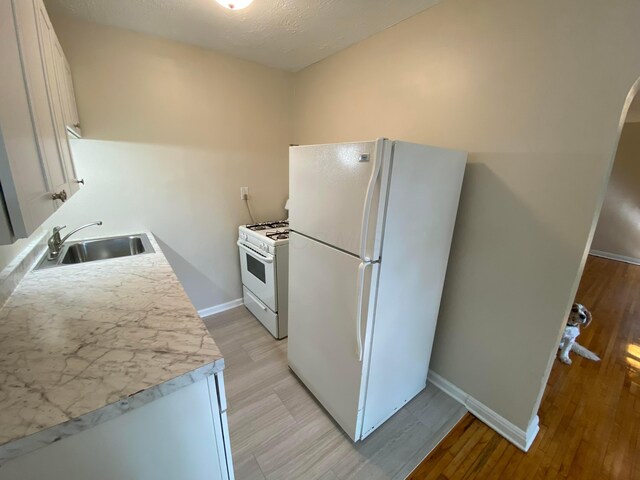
(279, 234)
(283, 224)
(268, 225)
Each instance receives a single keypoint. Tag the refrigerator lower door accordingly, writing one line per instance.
(323, 331)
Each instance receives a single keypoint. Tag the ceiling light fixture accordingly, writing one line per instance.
(235, 4)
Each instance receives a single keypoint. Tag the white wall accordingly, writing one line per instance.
(534, 90)
(171, 132)
(618, 231)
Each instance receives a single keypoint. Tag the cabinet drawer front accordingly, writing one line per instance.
(261, 312)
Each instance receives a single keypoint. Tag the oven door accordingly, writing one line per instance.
(259, 274)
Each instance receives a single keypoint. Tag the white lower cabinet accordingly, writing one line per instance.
(183, 435)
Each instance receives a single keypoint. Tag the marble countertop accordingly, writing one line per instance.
(81, 344)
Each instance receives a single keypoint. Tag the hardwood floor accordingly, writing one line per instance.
(590, 413)
(278, 430)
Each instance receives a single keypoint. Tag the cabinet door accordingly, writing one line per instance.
(63, 172)
(62, 92)
(56, 167)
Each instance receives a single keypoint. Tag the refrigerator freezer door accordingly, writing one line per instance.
(323, 343)
(333, 188)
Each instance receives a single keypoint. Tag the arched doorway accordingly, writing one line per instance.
(588, 401)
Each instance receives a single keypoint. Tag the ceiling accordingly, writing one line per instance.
(287, 34)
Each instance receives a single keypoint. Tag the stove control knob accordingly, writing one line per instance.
(264, 246)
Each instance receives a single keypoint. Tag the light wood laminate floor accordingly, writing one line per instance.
(279, 431)
(590, 413)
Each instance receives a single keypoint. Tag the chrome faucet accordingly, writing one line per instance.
(55, 242)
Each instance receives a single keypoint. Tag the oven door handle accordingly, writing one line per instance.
(258, 255)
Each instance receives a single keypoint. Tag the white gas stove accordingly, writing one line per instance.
(264, 263)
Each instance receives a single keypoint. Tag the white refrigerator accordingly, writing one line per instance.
(371, 227)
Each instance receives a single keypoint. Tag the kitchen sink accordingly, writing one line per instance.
(93, 250)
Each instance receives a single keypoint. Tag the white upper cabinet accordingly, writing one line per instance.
(36, 167)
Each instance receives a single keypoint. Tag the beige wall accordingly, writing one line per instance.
(534, 90)
(171, 133)
(618, 230)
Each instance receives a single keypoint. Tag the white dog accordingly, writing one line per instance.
(578, 317)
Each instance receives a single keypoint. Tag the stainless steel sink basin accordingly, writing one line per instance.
(99, 249)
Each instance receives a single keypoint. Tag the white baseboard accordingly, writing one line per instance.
(207, 312)
(520, 438)
(615, 256)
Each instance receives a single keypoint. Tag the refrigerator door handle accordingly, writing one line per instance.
(362, 268)
(366, 214)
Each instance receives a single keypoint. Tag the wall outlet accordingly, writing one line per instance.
(244, 193)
